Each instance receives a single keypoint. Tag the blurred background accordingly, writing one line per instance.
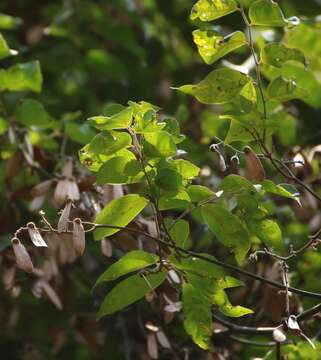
(96, 52)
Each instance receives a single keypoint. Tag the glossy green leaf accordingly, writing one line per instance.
(212, 46)
(208, 10)
(129, 291)
(228, 228)
(121, 120)
(109, 142)
(132, 261)
(220, 298)
(276, 54)
(270, 233)
(219, 87)
(199, 193)
(159, 144)
(186, 169)
(271, 187)
(32, 113)
(22, 77)
(266, 13)
(198, 316)
(119, 212)
(120, 170)
(283, 89)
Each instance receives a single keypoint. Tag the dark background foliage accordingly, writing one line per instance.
(93, 53)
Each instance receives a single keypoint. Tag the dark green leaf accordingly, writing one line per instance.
(129, 291)
(32, 113)
(132, 261)
(199, 193)
(284, 89)
(266, 13)
(228, 228)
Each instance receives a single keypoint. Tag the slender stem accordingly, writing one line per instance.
(278, 351)
(205, 258)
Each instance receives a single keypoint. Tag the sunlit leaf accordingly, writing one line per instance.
(208, 10)
(213, 46)
(119, 212)
(219, 87)
(266, 13)
(121, 120)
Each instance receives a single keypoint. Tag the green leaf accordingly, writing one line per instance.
(159, 144)
(132, 261)
(109, 142)
(172, 127)
(208, 10)
(129, 291)
(271, 187)
(32, 113)
(186, 169)
(79, 133)
(121, 120)
(276, 54)
(228, 228)
(179, 231)
(199, 267)
(198, 316)
(248, 97)
(168, 179)
(3, 125)
(119, 212)
(220, 298)
(305, 79)
(8, 22)
(284, 89)
(219, 87)
(235, 184)
(266, 13)
(242, 126)
(22, 77)
(199, 193)
(174, 200)
(4, 48)
(212, 46)
(270, 233)
(120, 170)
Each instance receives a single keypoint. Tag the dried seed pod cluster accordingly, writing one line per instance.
(67, 188)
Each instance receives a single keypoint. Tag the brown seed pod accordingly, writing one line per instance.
(8, 276)
(254, 169)
(163, 340)
(67, 169)
(41, 188)
(50, 293)
(107, 248)
(78, 237)
(35, 235)
(22, 256)
(222, 163)
(64, 217)
(152, 346)
(278, 335)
